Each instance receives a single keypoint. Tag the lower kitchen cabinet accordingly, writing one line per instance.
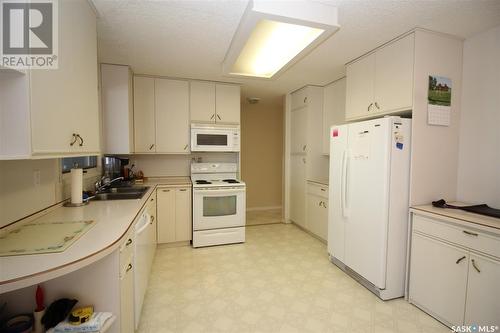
(174, 214)
(454, 268)
(439, 278)
(127, 297)
(483, 292)
(317, 210)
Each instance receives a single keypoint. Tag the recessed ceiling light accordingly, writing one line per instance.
(273, 35)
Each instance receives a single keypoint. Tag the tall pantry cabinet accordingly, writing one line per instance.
(306, 160)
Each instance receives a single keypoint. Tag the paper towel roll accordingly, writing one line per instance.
(76, 185)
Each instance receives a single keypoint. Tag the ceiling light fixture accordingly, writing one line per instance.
(273, 35)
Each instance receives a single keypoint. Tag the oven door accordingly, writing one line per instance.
(211, 140)
(215, 208)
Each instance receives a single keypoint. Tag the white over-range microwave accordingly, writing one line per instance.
(211, 137)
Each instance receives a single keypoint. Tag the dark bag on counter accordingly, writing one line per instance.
(482, 209)
(57, 312)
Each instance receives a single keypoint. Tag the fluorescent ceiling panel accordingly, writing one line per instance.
(271, 46)
(273, 35)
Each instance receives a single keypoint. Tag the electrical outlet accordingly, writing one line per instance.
(37, 177)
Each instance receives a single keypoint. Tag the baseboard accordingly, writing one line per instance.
(173, 244)
(309, 232)
(252, 209)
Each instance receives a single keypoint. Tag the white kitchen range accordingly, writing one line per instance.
(218, 204)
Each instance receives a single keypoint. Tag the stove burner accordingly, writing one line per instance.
(203, 182)
(231, 181)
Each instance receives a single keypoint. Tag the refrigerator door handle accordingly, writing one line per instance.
(343, 190)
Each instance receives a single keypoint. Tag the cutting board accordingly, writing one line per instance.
(46, 237)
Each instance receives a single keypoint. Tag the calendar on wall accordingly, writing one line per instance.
(439, 101)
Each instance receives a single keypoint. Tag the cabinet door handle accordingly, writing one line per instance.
(185, 147)
(475, 266)
(376, 105)
(165, 190)
(219, 117)
(320, 203)
(323, 190)
(304, 147)
(151, 147)
(129, 241)
(459, 260)
(305, 99)
(75, 139)
(81, 140)
(212, 116)
(152, 218)
(369, 106)
(152, 199)
(470, 233)
(129, 267)
(183, 190)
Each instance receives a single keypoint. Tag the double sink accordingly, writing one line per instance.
(121, 193)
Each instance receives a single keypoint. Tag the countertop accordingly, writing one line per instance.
(460, 215)
(168, 181)
(113, 220)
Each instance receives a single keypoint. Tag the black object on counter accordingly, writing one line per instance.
(57, 312)
(18, 324)
(482, 209)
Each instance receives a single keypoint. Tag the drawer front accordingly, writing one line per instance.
(463, 236)
(218, 236)
(317, 189)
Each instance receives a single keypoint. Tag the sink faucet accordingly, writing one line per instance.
(105, 182)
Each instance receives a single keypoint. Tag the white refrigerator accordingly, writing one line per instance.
(368, 212)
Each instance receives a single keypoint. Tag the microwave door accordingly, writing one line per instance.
(211, 141)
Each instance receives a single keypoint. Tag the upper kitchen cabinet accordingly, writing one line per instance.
(359, 87)
(227, 103)
(212, 102)
(202, 101)
(382, 81)
(333, 110)
(161, 115)
(144, 115)
(51, 113)
(172, 116)
(117, 109)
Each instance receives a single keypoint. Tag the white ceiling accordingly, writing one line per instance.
(190, 38)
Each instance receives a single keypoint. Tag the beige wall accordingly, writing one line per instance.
(262, 153)
(479, 158)
(19, 197)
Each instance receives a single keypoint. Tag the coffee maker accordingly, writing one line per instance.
(113, 167)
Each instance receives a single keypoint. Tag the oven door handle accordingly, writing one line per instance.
(219, 191)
